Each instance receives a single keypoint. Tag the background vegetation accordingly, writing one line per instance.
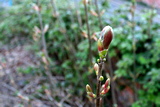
(30, 78)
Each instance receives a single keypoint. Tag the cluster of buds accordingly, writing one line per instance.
(90, 92)
(96, 68)
(104, 41)
(103, 91)
(105, 87)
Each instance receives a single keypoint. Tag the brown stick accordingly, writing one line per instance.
(88, 30)
(134, 51)
(78, 14)
(42, 33)
(112, 82)
(54, 8)
(99, 17)
(79, 19)
(69, 42)
(48, 73)
(10, 75)
(150, 20)
(98, 85)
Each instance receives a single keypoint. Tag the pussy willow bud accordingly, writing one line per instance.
(104, 59)
(102, 93)
(108, 35)
(101, 78)
(105, 90)
(96, 67)
(94, 95)
(97, 73)
(102, 86)
(105, 38)
(107, 83)
(98, 60)
(88, 88)
(100, 45)
(90, 94)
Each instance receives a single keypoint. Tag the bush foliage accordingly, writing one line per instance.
(68, 48)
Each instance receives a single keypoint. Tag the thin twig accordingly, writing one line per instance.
(99, 17)
(9, 87)
(112, 82)
(5, 71)
(88, 30)
(48, 73)
(72, 9)
(64, 99)
(6, 98)
(78, 14)
(55, 12)
(42, 32)
(69, 42)
(150, 20)
(98, 85)
(134, 50)
(32, 83)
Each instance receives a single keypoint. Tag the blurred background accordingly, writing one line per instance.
(48, 49)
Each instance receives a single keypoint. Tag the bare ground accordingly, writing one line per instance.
(24, 89)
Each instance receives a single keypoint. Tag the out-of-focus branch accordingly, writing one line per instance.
(78, 14)
(64, 30)
(99, 17)
(112, 82)
(55, 12)
(42, 32)
(98, 85)
(88, 30)
(48, 73)
(134, 48)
